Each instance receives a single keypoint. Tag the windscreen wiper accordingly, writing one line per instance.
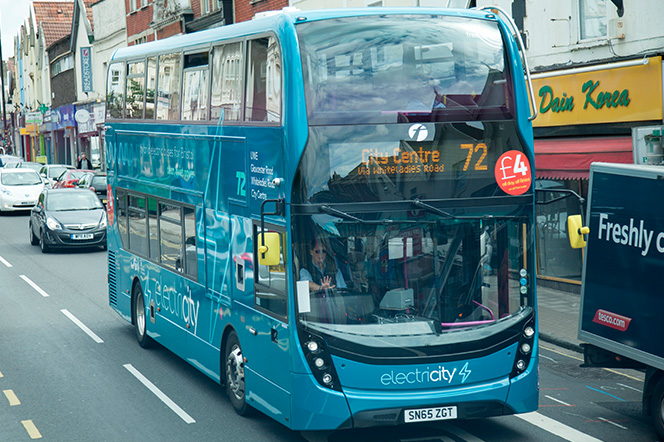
(332, 211)
(418, 203)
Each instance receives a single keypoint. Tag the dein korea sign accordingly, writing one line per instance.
(86, 69)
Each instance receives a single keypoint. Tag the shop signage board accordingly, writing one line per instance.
(631, 93)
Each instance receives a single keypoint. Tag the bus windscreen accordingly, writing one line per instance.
(384, 69)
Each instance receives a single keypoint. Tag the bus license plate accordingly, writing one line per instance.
(82, 235)
(430, 414)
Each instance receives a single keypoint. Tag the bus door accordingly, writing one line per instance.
(268, 349)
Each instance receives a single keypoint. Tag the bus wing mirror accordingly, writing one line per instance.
(575, 231)
(269, 249)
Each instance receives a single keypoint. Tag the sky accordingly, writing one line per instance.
(12, 14)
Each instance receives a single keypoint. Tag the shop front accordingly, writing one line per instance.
(586, 115)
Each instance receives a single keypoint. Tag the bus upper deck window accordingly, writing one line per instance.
(264, 81)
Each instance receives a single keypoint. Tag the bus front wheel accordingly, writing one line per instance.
(235, 387)
(657, 408)
(140, 322)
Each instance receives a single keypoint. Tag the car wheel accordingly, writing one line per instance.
(42, 243)
(657, 408)
(33, 239)
(235, 386)
(140, 318)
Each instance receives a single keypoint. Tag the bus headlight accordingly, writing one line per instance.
(524, 349)
(319, 360)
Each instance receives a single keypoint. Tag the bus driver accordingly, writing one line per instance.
(321, 269)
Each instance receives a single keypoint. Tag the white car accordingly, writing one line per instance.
(19, 189)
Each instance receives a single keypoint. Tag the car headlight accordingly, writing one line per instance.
(53, 224)
(6, 192)
(102, 223)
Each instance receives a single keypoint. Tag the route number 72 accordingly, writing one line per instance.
(473, 150)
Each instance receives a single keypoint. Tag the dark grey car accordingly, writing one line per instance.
(68, 218)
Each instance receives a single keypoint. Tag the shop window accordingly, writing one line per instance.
(555, 258)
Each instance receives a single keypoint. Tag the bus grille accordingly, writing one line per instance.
(112, 275)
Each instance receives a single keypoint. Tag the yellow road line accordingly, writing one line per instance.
(11, 397)
(1, 374)
(32, 430)
(581, 359)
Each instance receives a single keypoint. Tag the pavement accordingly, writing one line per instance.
(559, 317)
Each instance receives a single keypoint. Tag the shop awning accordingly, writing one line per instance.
(570, 158)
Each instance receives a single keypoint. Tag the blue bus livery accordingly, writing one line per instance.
(331, 212)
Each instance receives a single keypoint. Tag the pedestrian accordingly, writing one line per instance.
(83, 163)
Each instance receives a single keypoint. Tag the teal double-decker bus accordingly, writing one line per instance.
(331, 212)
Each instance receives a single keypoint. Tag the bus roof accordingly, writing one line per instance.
(271, 22)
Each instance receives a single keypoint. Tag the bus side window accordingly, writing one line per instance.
(195, 87)
(138, 241)
(121, 215)
(264, 81)
(170, 233)
(270, 281)
(190, 251)
(135, 102)
(150, 95)
(115, 91)
(168, 83)
(227, 82)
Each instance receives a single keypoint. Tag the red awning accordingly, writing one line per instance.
(570, 158)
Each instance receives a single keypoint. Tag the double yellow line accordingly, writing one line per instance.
(29, 426)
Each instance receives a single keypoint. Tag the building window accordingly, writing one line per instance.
(62, 64)
(209, 6)
(592, 19)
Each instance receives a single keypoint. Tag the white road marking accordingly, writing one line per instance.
(5, 262)
(629, 387)
(612, 423)
(82, 326)
(554, 427)
(558, 400)
(34, 286)
(157, 392)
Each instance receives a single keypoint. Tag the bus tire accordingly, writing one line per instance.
(140, 319)
(234, 364)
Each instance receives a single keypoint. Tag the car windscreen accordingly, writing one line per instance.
(68, 201)
(27, 178)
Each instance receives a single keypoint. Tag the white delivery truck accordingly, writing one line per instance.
(621, 321)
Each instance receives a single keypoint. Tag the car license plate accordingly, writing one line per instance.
(82, 235)
(430, 414)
